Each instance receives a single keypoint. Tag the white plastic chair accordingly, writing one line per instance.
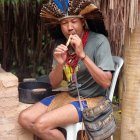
(73, 129)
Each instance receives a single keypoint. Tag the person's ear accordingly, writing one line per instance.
(85, 25)
(83, 22)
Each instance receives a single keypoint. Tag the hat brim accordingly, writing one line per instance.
(86, 13)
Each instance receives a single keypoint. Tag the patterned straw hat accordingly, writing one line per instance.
(56, 10)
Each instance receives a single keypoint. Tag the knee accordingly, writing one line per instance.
(24, 119)
(39, 126)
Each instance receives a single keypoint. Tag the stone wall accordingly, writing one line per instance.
(10, 108)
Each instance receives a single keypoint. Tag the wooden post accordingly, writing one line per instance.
(130, 128)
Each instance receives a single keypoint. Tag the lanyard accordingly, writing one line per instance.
(76, 82)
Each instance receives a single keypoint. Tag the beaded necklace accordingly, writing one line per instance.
(72, 60)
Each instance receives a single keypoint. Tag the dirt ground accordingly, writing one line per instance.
(117, 114)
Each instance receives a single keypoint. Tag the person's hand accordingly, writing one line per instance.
(77, 44)
(60, 54)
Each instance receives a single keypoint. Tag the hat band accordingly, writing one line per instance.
(71, 16)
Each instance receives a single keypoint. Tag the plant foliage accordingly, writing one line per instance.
(25, 44)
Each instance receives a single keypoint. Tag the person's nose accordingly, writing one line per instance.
(70, 27)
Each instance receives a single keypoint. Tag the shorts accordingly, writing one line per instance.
(47, 101)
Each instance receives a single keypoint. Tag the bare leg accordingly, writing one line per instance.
(44, 124)
(28, 116)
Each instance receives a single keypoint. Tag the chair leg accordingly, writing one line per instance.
(71, 135)
(72, 131)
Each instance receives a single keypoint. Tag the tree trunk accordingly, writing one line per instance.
(130, 127)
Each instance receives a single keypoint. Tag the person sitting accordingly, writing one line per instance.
(82, 57)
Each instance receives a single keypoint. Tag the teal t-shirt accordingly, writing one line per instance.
(98, 50)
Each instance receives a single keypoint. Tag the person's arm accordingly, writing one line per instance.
(56, 75)
(103, 78)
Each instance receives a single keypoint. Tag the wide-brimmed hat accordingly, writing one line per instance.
(56, 10)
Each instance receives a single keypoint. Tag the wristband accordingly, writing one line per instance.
(83, 57)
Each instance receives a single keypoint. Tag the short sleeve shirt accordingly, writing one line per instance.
(98, 50)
